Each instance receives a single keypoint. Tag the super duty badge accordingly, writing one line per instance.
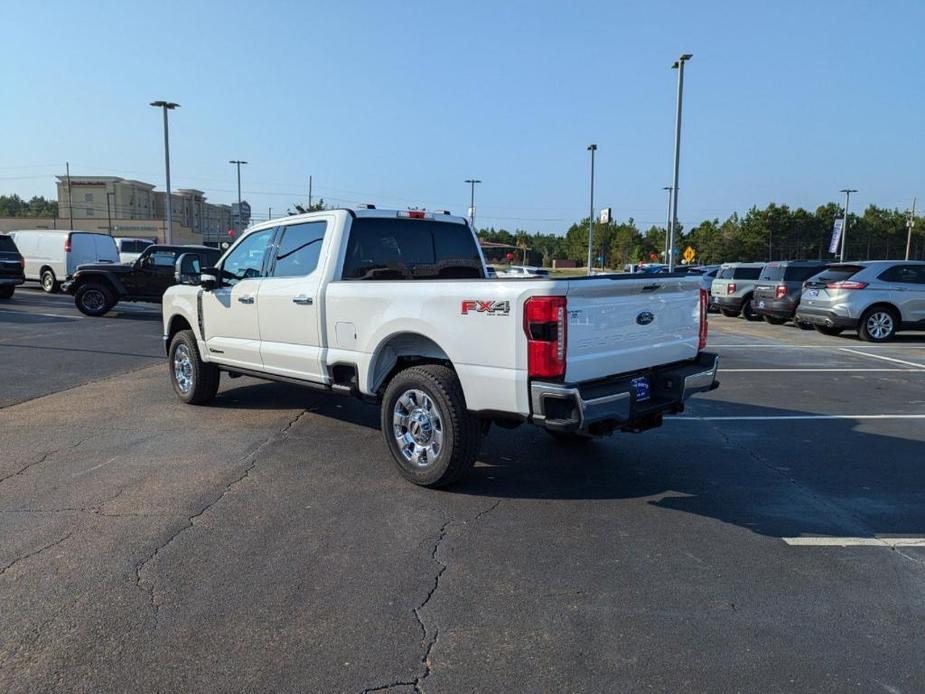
(492, 308)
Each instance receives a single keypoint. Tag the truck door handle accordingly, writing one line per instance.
(246, 299)
(302, 299)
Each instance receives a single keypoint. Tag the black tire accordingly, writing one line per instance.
(826, 330)
(459, 430)
(878, 324)
(94, 299)
(569, 437)
(774, 320)
(50, 283)
(729, 313)
(6, 291)
(748, 311)
(203, 378)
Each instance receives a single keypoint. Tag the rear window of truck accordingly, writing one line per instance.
(790, 273)
(746, 273)
(380, 248)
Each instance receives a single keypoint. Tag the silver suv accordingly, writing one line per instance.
(875, 297)
(733, 288)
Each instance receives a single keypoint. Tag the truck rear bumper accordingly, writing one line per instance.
(601, 406)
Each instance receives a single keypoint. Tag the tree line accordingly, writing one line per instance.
(15, 206)
(776, 232)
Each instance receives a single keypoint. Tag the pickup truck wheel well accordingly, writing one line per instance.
(400, 352)
(99, 278)
(177, 323)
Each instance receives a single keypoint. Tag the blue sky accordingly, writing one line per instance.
(397, 103)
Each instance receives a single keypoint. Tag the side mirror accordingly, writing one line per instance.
(187, 269)
(209, 278)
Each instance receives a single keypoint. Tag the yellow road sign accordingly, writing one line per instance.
(689, 254)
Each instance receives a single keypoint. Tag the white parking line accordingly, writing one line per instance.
(855, 541)
(771, 345)
(791, 417)
(34, 313)
(877, 356)
(727, 371)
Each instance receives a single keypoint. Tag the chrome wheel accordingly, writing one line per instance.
(93, 300)
(880, 325)
(417, 425)
(48, 281)
(183, 369)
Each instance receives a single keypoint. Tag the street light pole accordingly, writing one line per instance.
(472, 182)
(167, 106)
(668, 222)
(592, 149)
(109, 212)
(238, 162)
(679, 66)
(909, 224)
(844, 229)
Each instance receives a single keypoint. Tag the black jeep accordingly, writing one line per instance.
(98, 287)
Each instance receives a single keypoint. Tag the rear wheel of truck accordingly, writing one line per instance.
(194, 381)
(433, 438)
(49, 282)
(748, 310)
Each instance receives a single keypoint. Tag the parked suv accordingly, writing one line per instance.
(11, 267)
(99, 287)
(780, 286)
(877, 298)
(733, 288)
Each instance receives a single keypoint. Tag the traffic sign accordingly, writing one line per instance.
(689, 254)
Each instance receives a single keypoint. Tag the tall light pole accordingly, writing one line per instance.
(167, 106)
(472, 182)
(238, 162)
(592, 149)
(668, 222)
(909, 224)
(844, 228)
(679, 66)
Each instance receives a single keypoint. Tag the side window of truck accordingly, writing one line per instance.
(246, 259)
(298, 251)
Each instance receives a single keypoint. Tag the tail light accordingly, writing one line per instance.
(22, 263)
(67, 244)
(704, 303)
(846, 284)
(731, 288)
(780, 291)
(546, 327)
(415, 214)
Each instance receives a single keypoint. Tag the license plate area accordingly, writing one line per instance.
(641, 388)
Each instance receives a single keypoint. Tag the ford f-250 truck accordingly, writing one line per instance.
(395, 307)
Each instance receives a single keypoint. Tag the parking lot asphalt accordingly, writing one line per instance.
(772, 538)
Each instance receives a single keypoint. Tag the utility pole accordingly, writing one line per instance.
(70, 202)
(668, 222)
(844, 229)
(109, 212)
(269, 213)
(679, 66)
(309, 193)
(909, 224)
(238, 162)
(592, 149)
(167, 106)
(472, 182)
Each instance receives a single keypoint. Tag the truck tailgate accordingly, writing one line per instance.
(622, 324)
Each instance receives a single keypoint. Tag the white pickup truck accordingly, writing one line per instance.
(395, 307)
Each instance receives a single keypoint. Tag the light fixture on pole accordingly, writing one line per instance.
(167, 106)
(472, 182)
(237, 223)
(844, 228)
(592, 149)
(679, 66)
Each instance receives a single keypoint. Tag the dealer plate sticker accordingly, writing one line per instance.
(641, 388)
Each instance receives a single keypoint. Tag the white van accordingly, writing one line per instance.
(130, 249)
(53, 255)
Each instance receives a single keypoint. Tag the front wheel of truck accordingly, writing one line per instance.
(194, 381)
(433, 438)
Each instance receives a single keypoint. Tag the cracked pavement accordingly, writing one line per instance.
(265, 544)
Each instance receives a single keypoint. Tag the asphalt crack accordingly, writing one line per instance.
(429, 636)
(41, 459)
(41, 549)
(250, 462)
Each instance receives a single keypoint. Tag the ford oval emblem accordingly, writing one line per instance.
(645, 318)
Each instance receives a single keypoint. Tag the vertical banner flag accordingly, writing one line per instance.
(836, 235)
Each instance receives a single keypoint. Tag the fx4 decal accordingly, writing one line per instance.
(492, 308)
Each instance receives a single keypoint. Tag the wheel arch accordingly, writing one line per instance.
(177, 323)
(398, 351)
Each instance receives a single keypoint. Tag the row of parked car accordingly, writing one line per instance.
(877, 298)
(98, 270)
